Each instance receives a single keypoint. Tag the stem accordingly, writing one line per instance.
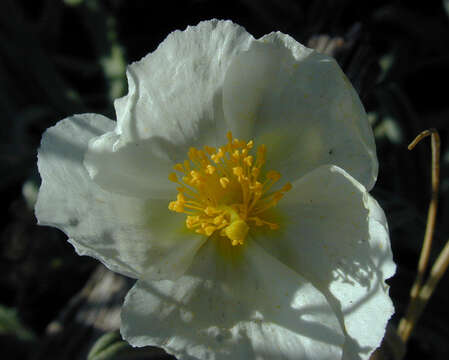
(438, 270)
(415, 305)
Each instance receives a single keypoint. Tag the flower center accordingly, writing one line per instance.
(224, 191)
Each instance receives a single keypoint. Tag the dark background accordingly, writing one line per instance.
(59, 57)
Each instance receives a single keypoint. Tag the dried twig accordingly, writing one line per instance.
(409, 320)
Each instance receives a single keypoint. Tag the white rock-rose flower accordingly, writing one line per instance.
(234, 187)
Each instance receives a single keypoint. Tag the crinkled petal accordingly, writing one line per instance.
(175, 93)
(336, 235)
(359, 314)
(138, 169)
(301, 105)
(129, 235)
(233, 303)
(174, 102)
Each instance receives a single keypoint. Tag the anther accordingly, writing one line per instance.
(224, 182)
(173, 177)
(237, 171)
(248, 161)
(210, 169)
(178, 167)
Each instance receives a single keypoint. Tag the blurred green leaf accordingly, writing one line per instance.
(10, 325)
(111, 347)
(103, 343)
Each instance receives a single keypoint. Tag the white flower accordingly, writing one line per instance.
(228, 268)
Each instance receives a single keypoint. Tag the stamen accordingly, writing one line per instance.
(224, 181)
(220, 190)
(179, 167)
(173, 177)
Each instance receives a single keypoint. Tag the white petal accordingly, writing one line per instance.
(173, 253)
(128, 235)
(301, 105)
(138, 169)
(174, 102)
(175, 92)
(359, 319)
(336, 235)
(233, 304)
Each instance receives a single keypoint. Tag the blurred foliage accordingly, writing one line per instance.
(59, 57)
(11, 325)
(110, 346)
(15, 337)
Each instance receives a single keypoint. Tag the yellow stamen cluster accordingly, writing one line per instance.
(222, 190)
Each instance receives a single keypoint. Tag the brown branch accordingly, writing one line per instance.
(409, 320)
